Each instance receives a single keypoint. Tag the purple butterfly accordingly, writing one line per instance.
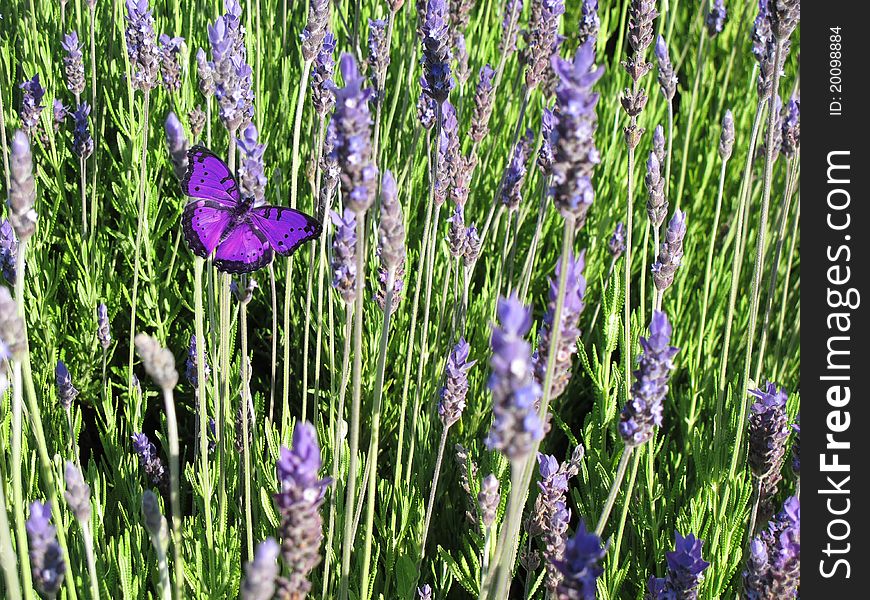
(242, 237)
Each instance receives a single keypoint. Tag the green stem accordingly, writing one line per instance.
(376, 427)
(174, 495)
(202, 394)
(684, 159)
(614, 490)
(93, 578)
(7, 554)
(246, 444)
(348, 542)
(274, 297)
(759, 259)
(625, 506)
(439, 458)
(141, 225)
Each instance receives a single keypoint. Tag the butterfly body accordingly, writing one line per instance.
(221, 224)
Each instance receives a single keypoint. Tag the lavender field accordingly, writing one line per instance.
(376, 299)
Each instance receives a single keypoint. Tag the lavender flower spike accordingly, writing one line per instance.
(59, 114)
(391, 227)
(190, 371)
(784, 15)
(488, 500)
(230, 71)
(580, 566)
(656, 203)
(773, 567)
(104, 334)
(158, 361)
(685, 567)
(425, 592)
(315, 29)
(83, 143)
(483, 98)
(379, 53)
(589, 22)
(437, 80)
(726, 138)
(545, 153)
(22, 189)
(457, 232)
(659, 143)
(31, 103)
(515, 174)
(796, 447)
(252, 175)
(8, 251)
(455, 384)
(261, 572)
(78, 493)
(643, 412)
(472, 246)
(142, 47)
(74, 68)
(205, 73)
(671, 253)
(791, 127)
(344, 255)
(170, 62)
(448, 154)
(149, 460)
(516, 425)
(353, 132)
(667, 76)
(641, 14)
(177, 144)
(575, 289)
(768, 435)
(196, 120)
(47, 563)
(509, 26)
(541, 37)
(299, 498)
(66, 392)
(716, 18)
(616, 244)
(575, 154)
(322, 86)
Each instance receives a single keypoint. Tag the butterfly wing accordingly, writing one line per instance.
(285, 228)
(204, 223)
(243, 249)
(209, 178)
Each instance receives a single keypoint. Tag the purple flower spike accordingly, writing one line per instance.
(791, 127)
(73, 67)
(472, 245)
(47, 564)
(191, 371)
(78, 493)
(589, 22)
(353, 133)
(322, 86)
(261, 572)
(541, 37)
(616, 244)
(515, 173)
(796, 447)
(643, 412)
(31, 103)
(768, 435)
(455, 384)
(83, 143)
(685, 566)
(299, 498)
(667, 76)
(551, 515)
(461, 53)
(66, 392)
(344, 255)
(761, 35)
(142, 47)
(548, 128)
(575, 154)
(149, 460)
(448, 153)
(230, 71)
(425, 592)
(671, 253)
(483, 98)
(488, 500)
(437, 79)
(8, 251)
(516, 425)
(22, 188)
(572, 308)
(773, 567)
(379, 53)
(59, 114)
(426, 111)
(177, 144)
(716, 18)
(170, 62)
(659, 143)
(510, 26)
(641, 14)
(580, 567)
(252, 170)
(391, 241)
(656, 203)
(315, 30)
(457, 232)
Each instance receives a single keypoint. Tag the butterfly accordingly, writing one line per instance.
(221, 223)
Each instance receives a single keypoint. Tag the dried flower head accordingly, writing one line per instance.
(670, 255)
(315, 30)
(170, 62)
(483, 101)
(74, 68)
(541, 37)
(656, 203)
